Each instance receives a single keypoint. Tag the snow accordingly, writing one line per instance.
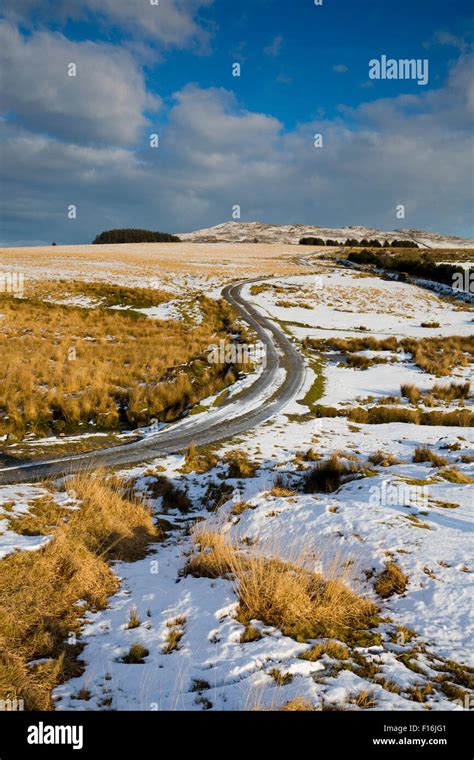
(20, 498)
(343, 301)
(363, 523)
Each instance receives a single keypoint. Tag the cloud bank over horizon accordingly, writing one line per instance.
(85, 140)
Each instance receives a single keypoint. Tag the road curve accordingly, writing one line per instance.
(268, 395)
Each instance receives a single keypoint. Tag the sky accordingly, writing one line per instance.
(85, 142)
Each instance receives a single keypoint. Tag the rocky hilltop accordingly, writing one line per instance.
(290, 234)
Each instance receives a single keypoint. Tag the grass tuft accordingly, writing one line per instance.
(39, 590)
(300, 603)
(391, 581)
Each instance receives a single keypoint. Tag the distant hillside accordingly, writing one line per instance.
(291, 234)
(134, 236)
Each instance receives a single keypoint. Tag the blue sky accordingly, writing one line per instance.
(227, 140)
(289, 51)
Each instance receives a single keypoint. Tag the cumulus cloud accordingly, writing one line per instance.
(413, 149)
(171, 22)
(105, 102)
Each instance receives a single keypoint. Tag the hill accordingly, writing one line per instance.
(291, 234)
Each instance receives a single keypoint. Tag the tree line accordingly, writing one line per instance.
(353, 243)
(131, 235)
(424, 267)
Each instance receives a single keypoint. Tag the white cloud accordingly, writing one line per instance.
(172, 22)
(443, 37)
(416, 150)
(340, 68)
(104, 102)
(274, 48)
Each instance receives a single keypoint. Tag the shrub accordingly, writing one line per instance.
(311, 241)
(404, 244)
(408, 264)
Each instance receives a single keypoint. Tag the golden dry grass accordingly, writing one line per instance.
(364, 699)
(453, 475)
(174, 635)
(145, 259)
(39, 590)
(425, 454)
(69, 366)
(383, 459)
(300, 603)
(437, 356)
(240, 465)
(43, 514)
(97, 293)
(298, 705)
(392, 580)
(199, 459)
(333, 649)
(447, 393)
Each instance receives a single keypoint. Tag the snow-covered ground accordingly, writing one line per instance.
(344, 302)
(412, 513)
(363, 522)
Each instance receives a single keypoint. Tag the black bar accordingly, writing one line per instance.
(131, 734)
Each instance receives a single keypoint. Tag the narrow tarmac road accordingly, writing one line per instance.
(277, 385)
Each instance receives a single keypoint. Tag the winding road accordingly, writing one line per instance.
(278, 384)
